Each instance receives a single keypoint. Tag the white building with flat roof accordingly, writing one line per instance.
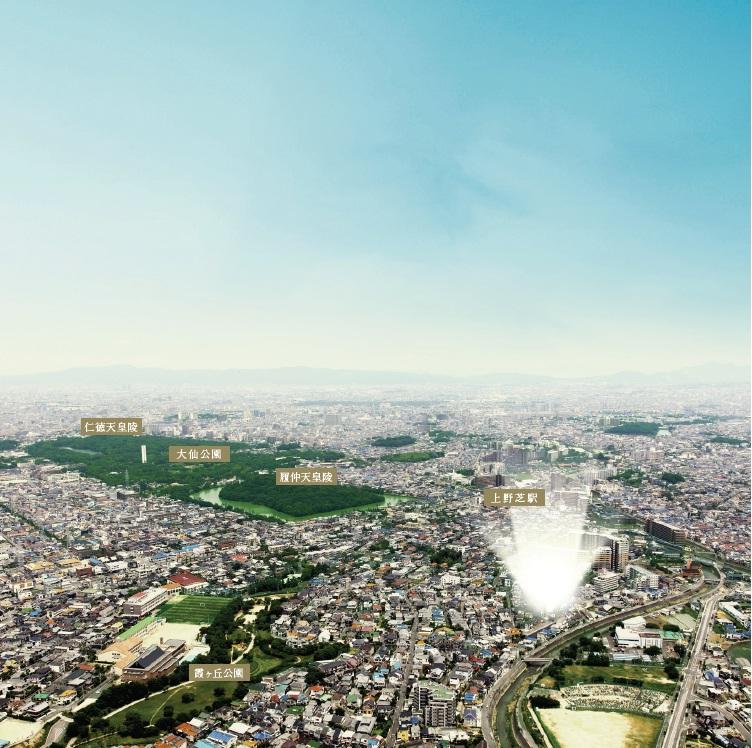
(627, 638)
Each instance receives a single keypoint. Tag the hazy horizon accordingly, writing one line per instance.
(555, 190)
(711, 373)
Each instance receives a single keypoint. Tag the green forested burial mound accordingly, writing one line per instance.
(107, 458)
(635, 428)
(300, 501)
(393, 441)
(412, 456)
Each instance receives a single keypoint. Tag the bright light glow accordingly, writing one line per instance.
(545, 557)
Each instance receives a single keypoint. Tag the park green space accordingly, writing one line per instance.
(635, 428)
(152, 708)
(573, 457)
(105, 741)
(652, 676)
(299, 501)
(616, 521)
(212, 496)
(393, 441)
(196, 609)
(568, 728)
(630, 477)
(263, 664)
(732, 440)
(673, 478)
(742, 649)
(412, 456)
(251, 470)
(441, 436)
(518, 473)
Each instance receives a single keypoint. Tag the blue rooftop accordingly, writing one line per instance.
(224, 738)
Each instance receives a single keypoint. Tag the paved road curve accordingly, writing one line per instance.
(730, 716)
(57, 731)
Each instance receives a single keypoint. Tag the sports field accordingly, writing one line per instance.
(197, 609)
(188, 632)
(583, 729)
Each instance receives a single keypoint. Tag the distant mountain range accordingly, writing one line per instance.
(710, 373)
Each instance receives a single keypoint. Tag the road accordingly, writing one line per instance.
(500, 686)
(692, 672)
(91, 696)
(57, 731)
(565, 637)
(242, 654)
(407, 672)
(730, 716)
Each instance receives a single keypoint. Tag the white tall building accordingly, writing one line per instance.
(606, 581)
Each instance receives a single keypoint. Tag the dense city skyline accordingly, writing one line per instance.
(580, 551)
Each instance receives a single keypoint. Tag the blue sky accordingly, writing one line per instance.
(549, 187)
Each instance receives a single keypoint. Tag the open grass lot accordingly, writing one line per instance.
(151, 709)
(196, 609)
(742, 649)
(262, 663)
(652, 676)
(683, 620)
(583, 729)
(104, 741)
